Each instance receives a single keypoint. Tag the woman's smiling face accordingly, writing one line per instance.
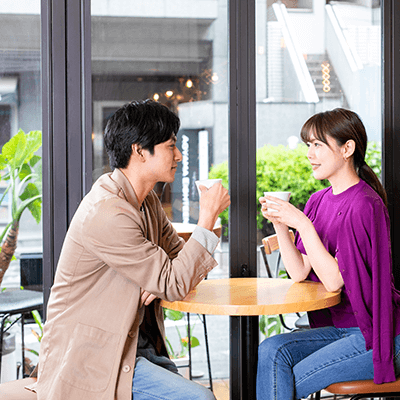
(327, 160)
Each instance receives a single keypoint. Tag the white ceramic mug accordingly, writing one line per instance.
(280, 195)
(207, 183)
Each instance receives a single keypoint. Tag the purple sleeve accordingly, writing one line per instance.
(364, 258)
(382, 309)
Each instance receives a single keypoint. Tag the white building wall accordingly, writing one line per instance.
(310, 28)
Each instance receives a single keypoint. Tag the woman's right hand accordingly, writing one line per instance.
(267, 215)
(286, 214)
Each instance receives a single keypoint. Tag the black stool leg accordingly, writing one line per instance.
(23, 344)
(207, 353)
(189, 346)
(1, 339)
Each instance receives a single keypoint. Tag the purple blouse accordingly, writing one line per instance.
(354, 227)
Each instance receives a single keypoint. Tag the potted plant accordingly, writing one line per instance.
(29, 364)
(21, 169)
(180, 356)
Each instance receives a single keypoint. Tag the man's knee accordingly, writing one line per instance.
(205, 394)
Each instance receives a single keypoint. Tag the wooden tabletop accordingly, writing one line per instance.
(185, 230)
(254, 296)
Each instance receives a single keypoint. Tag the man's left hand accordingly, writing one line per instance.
(146, 298)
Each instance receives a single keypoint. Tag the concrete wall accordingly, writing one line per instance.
(309, 27)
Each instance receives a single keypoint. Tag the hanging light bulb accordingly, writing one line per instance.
(169, 93)
(214, 77)
(189, 83)
(156, 96)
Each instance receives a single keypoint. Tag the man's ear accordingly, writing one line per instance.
(137, 152)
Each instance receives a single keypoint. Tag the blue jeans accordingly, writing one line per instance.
(294, 365)
(151, 381)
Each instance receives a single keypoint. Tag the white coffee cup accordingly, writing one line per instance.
(207, 183)
(280, 195)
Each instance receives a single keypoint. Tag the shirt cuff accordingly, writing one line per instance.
(206, 238)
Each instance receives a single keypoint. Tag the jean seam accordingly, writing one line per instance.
(328, 364)
(276, 356)
(148, 394)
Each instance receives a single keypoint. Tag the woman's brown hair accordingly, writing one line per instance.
(343, 125)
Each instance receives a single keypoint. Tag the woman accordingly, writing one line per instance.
(342, 240)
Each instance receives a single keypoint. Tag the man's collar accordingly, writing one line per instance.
(119, 177)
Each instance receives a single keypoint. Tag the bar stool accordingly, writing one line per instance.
(365, 389)
(15, 390)
(13, 302)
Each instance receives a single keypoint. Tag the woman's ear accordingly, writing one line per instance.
(348, 149)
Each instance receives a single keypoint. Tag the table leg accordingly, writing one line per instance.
(243, 357)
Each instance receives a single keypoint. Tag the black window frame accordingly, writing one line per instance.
(67, 132)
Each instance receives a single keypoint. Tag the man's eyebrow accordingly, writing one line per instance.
(174, 138)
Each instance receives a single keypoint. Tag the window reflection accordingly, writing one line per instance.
(20, 107)
(308, 62)
(178, 57)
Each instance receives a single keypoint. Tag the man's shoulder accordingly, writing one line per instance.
(105, 200)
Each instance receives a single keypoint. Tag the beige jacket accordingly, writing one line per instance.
(112, 250)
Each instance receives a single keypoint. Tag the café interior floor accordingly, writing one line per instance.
(221, 390)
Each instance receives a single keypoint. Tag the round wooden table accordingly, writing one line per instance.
(254, 296)
(243, 299)
(185, 230)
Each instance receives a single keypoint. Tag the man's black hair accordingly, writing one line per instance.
(146, 123)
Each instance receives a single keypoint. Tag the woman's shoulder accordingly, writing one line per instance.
(366, 198)
(365, 207)
(317, 196)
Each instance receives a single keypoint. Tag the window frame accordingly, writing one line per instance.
(67, 151)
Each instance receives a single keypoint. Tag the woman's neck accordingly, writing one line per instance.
(343, 182)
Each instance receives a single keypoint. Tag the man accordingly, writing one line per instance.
(104, 334)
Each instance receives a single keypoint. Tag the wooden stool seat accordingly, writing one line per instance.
(364, 387)
(15, 390)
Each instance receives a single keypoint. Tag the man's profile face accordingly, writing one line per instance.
(163, 163)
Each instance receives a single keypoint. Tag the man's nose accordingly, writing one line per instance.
(178, 155)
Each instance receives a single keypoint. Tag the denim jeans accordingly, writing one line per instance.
(294, 365)
(150, 381)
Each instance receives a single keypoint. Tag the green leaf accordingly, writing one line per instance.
(173, 315)
(34, 160)
(13, 150)
(32, 351)
(263, 324)
(25, 171)
(194, 341)
(27, 203)
(21, 148)
(38, 319)
(3, 163)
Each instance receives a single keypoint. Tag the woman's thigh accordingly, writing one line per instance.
(345, 359)
(294, 346)
(151, 381)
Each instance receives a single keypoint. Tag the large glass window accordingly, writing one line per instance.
(20, 107)
(177, 55)
(308, 63)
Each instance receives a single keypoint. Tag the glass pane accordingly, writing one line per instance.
(20, 108)
(308, 62)
(175, 52)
